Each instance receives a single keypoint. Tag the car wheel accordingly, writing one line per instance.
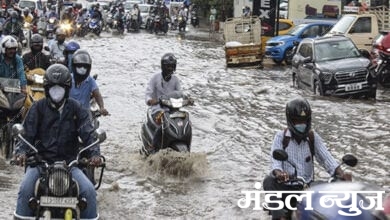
(371, 94)
(277, 61)
(318, 88)
(288, 56)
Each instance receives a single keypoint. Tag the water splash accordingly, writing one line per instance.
(176, 164)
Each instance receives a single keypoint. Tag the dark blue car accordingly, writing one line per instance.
(280, 48)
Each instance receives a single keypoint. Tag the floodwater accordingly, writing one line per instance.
(236, 114)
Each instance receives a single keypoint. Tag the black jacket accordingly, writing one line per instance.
(39, 60)
(56, 136)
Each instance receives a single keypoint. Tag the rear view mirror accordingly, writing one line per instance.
(100, 134)
(350, 160)
(17, 129)
(280, 155)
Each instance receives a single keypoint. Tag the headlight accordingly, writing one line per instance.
(325, 77)
(279, 43)
(59, 180)
(26, 24)
(52, 20)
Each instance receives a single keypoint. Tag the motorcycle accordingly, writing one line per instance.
(301, 184)
(51, 25)
(35, 90)
(11, 104)
(382, 70)
(94, 26)
(57, 194)
(182, 23)
(160, 25)
(194, 19)
(118, 24)
(41, 26)
(176, 125)
(132, 22)
(174, 23)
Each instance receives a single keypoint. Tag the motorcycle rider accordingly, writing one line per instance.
(54, 124)
(13, 26)
(120, 17)
(161, 84)
(301, 143)
(52, 12)
(27, 16)
(36, 58)
(58, 46)
(83, 85)
(11, 64)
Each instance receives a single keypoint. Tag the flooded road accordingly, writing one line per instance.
(235, 117)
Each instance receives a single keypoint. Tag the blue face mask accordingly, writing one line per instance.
(13, 20)
(300, 127)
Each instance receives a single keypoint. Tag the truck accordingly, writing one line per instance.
(243, 41)
(362, 26)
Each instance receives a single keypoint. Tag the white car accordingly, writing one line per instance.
(145, 10)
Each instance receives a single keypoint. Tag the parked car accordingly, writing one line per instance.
(285, 25)
(280, 48)
(333, 66)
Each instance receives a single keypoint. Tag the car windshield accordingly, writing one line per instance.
(335, 50)
(296, 30)
(29, 4)
(342, 25)
(144, 9)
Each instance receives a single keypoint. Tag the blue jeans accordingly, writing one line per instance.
(26, 191)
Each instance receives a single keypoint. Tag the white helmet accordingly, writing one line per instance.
(8, 42)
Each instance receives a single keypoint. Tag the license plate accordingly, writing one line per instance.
(63, 202)
(352, 87)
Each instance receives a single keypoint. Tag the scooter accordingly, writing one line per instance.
(57, 194)
(11, 104)
(194, 19)
(176, 125)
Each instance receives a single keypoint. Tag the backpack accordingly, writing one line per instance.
(310, 139)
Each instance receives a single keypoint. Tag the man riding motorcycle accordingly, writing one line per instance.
(13, 26)
(36, 58)
(83, 85)
(11, 64)
(301, 144)
(161, 84)
(58, 46)
(54, 124)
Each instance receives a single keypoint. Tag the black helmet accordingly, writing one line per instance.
(168, 59)
(57, 74)
(36, 40)
(81, 58)
(14, 14)
(298, 111)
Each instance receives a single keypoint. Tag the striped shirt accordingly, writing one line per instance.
(299, 154)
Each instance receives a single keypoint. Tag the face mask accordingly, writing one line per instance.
(57, 93)
(300, 127)
(81, 70)
(13, 20)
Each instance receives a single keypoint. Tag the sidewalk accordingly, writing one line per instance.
(202, 32)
